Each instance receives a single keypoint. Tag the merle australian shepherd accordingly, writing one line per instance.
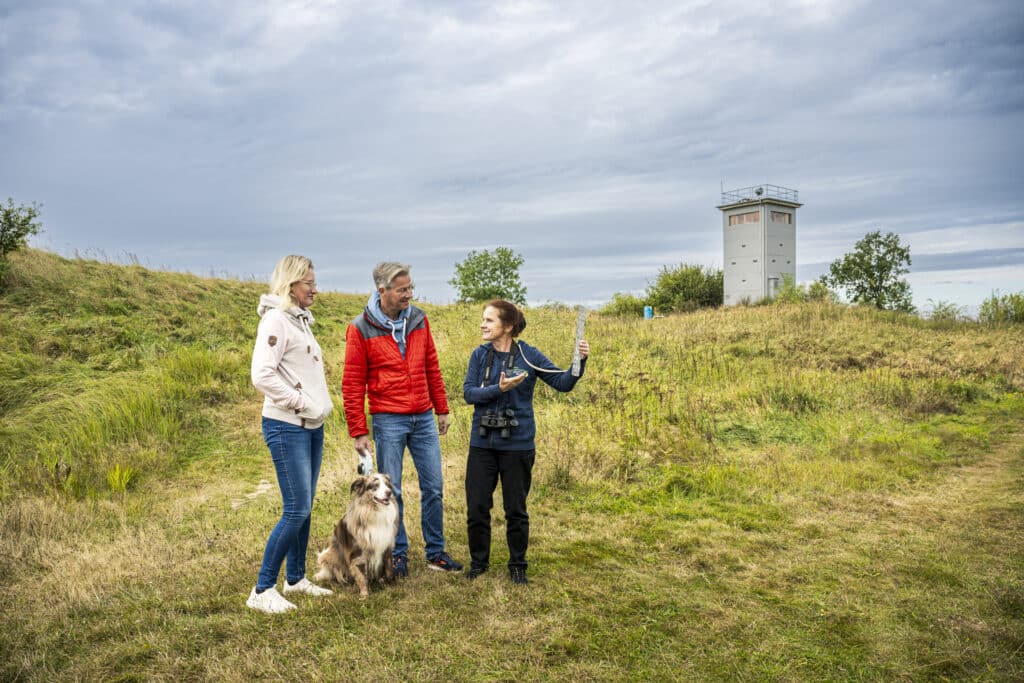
(363, 540)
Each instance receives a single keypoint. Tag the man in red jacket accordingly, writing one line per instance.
(390, 356)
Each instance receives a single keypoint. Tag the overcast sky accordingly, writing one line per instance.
(591, 137)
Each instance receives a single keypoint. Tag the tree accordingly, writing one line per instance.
(484, 276)
(685, 288)
(16, 224)
(871, 274)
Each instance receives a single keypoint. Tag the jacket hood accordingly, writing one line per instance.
(376, 317)
(398, 327)
(379, 316)
(271, 301)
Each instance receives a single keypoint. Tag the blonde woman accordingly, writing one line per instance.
(288, 368)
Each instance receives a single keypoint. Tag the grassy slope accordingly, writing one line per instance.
(796, 493)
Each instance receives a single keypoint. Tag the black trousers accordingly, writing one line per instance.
(483, 470)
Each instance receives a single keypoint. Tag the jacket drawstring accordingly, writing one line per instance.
(308, 332)
(394, 329)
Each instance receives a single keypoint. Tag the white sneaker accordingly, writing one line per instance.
(306, 586)
(269, 601)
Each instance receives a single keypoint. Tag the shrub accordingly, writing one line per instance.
(793, 293)
(945, 311)
(624, 305)
(686, 287)
(819, 291)
(1002, 309)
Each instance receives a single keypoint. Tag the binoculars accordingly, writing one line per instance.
(505, 422)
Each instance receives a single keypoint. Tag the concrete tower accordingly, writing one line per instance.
(759, 239)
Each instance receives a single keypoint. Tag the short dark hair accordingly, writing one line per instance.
(509, 314)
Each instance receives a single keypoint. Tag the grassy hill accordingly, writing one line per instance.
(782, 493)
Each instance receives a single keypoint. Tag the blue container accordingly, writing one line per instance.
(648, 312)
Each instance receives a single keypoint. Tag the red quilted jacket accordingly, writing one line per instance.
(374, 366)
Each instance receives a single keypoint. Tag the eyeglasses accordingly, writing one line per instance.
(404, 290)
(309, 283)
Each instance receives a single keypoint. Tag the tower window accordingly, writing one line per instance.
(749, 217)
(782, 217)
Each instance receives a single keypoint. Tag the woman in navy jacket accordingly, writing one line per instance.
(499, 384)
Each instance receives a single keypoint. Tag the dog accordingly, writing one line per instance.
(360, 549)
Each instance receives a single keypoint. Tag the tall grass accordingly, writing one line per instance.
(795, 492)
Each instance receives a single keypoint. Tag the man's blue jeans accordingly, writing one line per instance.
(296, 452)
(392, 433)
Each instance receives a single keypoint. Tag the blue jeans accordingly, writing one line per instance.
(392, 433)
(296, 452)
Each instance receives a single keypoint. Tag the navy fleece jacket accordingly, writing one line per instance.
(489, 397)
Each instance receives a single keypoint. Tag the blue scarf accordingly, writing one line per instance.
(397, 325)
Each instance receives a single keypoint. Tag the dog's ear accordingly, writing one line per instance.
(358, 486)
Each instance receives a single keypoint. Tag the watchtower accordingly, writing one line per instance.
(759, 241)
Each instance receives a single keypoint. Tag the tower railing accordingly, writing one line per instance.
(755, 192)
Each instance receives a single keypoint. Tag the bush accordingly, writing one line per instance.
(793, 293)
(686, 288)
(1002, 309)
(819, 291)
(945, 311)
(624, 305)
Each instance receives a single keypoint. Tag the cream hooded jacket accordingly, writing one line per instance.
(288, 367)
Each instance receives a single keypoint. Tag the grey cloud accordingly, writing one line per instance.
(970, 260)
(966, 260)
(590, 136)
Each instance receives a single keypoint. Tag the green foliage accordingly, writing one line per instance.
(16, 224)
(624, 305)
(485, 275)
(945, 311)
(793, 293)
(819, 291)
(686, 287)
(120, 478)
(871, 274)
(1008, 308)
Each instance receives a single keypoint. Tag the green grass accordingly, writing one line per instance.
(805, 492)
